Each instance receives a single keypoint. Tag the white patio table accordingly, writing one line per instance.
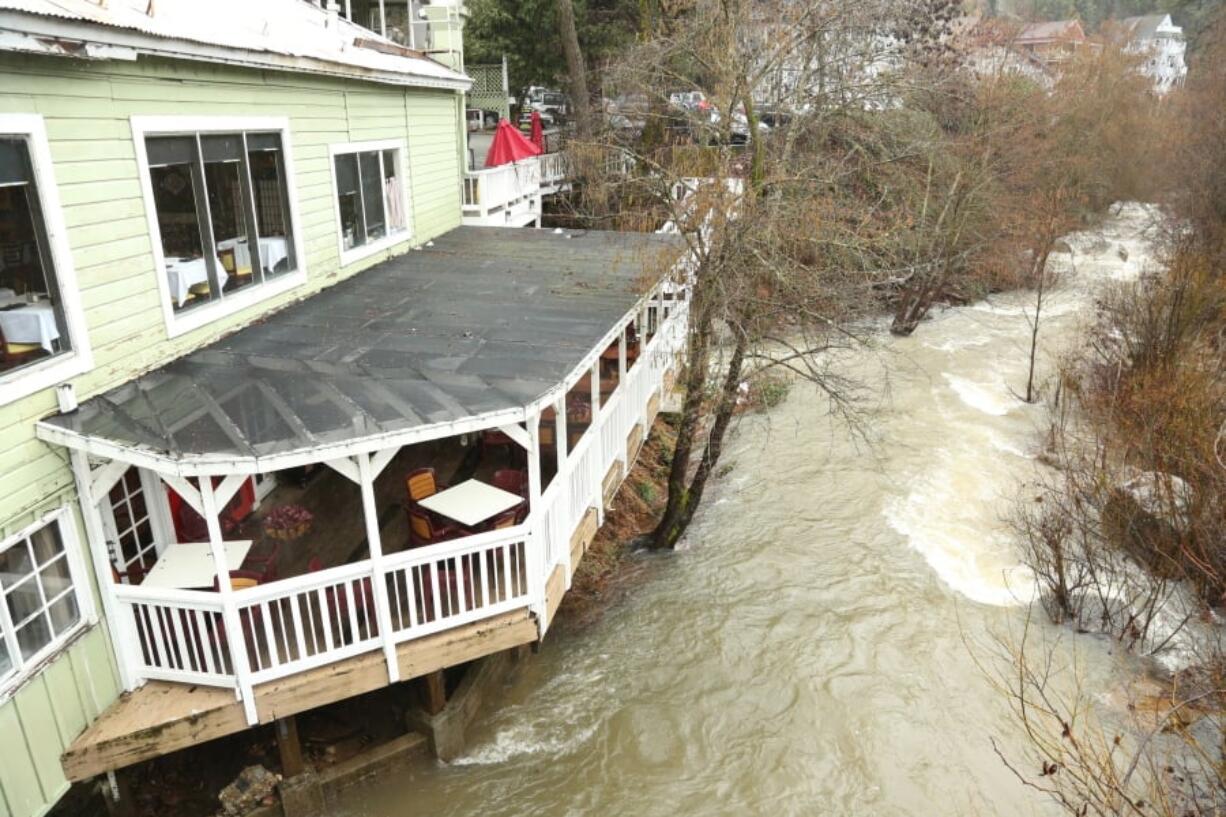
(189, 565)
(471, 502)
(32, 323)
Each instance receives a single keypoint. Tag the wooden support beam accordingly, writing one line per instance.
(433, 689)
(289, 746)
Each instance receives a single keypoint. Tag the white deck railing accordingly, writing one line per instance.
(497, 188)
(297, 624)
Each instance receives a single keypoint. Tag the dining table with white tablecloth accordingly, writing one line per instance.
(184, 273)
(273, 250)
(24, 322)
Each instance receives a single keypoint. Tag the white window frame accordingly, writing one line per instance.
(352, 256)
(182, 322)
(24, 669)
(53, 370)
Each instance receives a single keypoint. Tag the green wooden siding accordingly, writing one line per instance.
(86, 107)
(45, 716)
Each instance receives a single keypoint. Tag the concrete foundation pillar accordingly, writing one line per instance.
(303, 795)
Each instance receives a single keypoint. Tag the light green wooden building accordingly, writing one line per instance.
(118, 129)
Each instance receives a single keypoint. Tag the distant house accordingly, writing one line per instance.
(990, 50)
(1052, 42)
(1162, 45)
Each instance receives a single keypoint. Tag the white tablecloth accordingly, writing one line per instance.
(188, 565)
(272, 251)
(471, 502)
(183, 274)
(32, 323)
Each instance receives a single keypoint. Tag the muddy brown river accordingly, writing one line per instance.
(819, 646)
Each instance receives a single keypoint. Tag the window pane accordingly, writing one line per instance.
(175, 195)
(271, 202)
(64, 614)
(372, 194)
(15, 565)
(33, 636)
(55, 578)
(46, 543)
(348, 200)
(6, 660)
(23, 600)
(223, 180)
(393, 193)
(32, 325)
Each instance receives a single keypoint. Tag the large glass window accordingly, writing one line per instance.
(370, 197)
(32, 322)
(38, 595)
(226, 192)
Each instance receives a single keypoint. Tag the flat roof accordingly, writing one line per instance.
(481, 321)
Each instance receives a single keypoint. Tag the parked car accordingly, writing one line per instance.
(689, 101)
(553, 106)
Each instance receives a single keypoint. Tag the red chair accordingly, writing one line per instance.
(493, 438)
(512, 480)
(338, 605)
(424, 530)
(264, 564)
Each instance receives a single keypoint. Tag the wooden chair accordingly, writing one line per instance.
(423, 530)
(506, 519)
(15, 354)
(241, 276)
(421, 483)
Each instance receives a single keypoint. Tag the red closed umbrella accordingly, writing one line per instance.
(538, 132)
(508, 146)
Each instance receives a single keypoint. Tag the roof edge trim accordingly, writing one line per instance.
(35, 26)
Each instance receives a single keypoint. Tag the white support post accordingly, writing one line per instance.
(596, 457)
(382, 20)
(370, 511)
(237, 639)
(119, 618)
(621, 359)
(537, 563)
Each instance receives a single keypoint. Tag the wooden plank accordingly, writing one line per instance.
(18, 778)
(37, 716)
(582, 538)
(64, 689)
(612, 480)
(634, 443)
(555, 589)
(160, 718)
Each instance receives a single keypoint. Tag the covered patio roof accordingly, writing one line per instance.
(479, 325)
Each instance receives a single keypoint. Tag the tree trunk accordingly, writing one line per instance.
(575, 67)
(698, 357)
(1034, 329)
(679, 512)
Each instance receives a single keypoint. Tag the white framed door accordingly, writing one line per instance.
(135, 515)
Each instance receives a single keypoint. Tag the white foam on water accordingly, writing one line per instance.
(989, 398)
(532, 729)
(950, 518)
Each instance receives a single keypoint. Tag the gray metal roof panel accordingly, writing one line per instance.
(484, 320)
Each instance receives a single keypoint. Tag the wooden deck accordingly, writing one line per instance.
(160, 717)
